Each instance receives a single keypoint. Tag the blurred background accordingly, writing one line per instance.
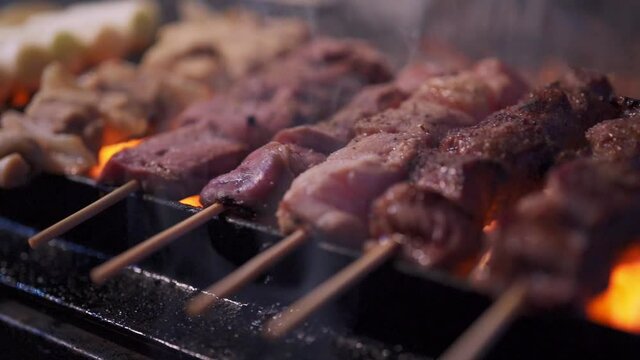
(542, 36)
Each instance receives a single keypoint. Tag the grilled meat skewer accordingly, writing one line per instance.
(299, 89)
(259, 182)
(480, 171)
(333, 198)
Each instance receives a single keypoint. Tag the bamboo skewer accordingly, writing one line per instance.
(246, 273)
(301, 309)
(84, 214)
(102, 273)
(481, 334)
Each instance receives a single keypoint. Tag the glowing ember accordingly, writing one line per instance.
(619, 305)
(20, 98)
(490, 227)
(192, 201)
(106, 152)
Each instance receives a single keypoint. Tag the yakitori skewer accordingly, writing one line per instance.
(476, 339)
(322, 294)
(443, 223)
(380, 154)
(536, 253)
(216, 135)
(83, 215)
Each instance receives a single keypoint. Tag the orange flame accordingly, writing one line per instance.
(192, 201)
(106, 152)
(490, 227)
(20, 98)
(619, 305)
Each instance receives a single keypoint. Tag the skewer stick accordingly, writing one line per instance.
(282, 323)
(84, 214)
(102, 273)
(477, 338)
(246, 273)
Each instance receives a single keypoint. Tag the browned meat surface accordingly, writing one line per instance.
(176, 164)
(563, 240)
(470, 182)
(616, 139)
(305, 87)
(439, 213)
(333, 198)
(527, 138)
(482, 170)
(434, 231)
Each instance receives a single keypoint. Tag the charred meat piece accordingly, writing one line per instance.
(333, 198)
(527, 138)
(305, 87)
(439, 213)
(434, 231)
(616, 139)
(482, 170)
(562, 241)
(469, 181)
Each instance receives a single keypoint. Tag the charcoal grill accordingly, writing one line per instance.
(49, 308)
(48, 305)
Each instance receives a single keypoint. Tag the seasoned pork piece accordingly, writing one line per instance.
(333, 198)
(563, 240)
(260, 181)
(527, 138)
(178, 163)
(616, 139)
(439, 213)
(482, 170)
(433, 230)
(308, 85)
(262, 178)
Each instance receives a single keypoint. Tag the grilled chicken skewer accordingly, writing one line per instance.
(215, 136)
(381, 152)
(271, 168)
(438, 215)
